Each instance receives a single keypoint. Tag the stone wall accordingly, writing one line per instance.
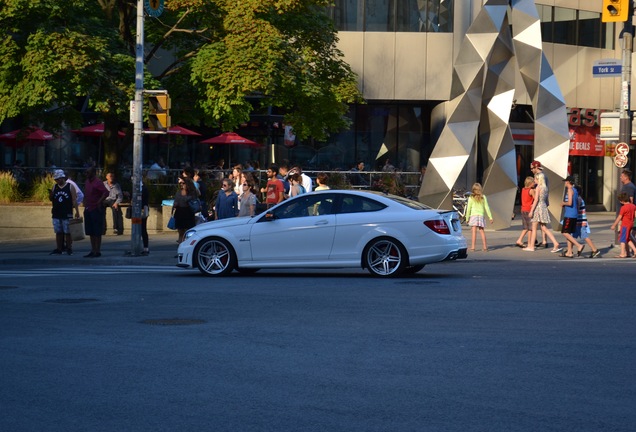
(19, 221)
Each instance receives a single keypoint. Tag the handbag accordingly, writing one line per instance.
(171, 223)
(76, 228)
(128, 214)
(195, 205)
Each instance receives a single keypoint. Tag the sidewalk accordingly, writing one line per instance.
(115, 251)
(163, 247)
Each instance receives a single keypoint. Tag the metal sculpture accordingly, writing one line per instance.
(477, 115)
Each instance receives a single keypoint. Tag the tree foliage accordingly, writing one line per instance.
(222, 51)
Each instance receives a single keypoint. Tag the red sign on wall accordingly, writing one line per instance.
(585, 141)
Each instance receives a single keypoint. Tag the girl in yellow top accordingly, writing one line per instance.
(475, 211)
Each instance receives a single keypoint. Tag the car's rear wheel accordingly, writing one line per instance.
(215, 257)
(385, 257)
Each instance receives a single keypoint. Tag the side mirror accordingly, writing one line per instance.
(269, 216)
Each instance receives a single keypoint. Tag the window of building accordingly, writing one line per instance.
(572, 27)
(393, 15)
(347, 15)
(564, 26)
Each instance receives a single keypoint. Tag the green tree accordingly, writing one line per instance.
(223, 51)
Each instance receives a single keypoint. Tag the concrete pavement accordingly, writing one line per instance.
(163, 247)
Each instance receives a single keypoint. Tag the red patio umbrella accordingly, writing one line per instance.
(178, 130)
(20, 136)
(230, 138)
(95, 130)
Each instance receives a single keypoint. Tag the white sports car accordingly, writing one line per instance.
(386, 234)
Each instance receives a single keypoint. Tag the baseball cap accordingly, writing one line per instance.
(58, 174)
(535, 164)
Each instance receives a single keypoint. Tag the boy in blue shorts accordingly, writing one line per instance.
(626, 219)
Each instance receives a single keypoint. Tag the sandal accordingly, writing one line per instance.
(557, 250)
(520, 245)
(580, 251)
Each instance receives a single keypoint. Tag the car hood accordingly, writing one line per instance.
(223, 223)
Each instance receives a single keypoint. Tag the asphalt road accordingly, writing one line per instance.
(477, 345)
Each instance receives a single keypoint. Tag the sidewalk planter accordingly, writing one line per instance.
(27, 221)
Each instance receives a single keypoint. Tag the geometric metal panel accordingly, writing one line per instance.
(478, 112)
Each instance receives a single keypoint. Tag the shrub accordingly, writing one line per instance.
(9, 188)
(389, 183)
(41, 187)
(338, 181)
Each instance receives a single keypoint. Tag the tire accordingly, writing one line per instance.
(414, 269)
(385, 257)
(215, 257)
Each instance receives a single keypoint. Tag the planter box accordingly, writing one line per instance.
(20, 221)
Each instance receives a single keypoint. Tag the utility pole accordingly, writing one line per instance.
(138, 119)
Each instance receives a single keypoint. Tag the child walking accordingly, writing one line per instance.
(527, 196)
(583, 227)
(476, 209)
(626, 219)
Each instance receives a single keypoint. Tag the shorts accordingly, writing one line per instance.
(526, 220)
(623, 235)
(569, 226)
(61, 226)
(94, 222)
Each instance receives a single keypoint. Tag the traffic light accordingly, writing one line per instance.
(615, 10)
(159, 113)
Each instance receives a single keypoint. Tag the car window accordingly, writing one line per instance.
(306, 205)
(359, 204)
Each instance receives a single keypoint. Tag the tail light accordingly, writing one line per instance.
(438, 225)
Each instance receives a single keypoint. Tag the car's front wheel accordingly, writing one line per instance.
(215, 257)
(385, 257)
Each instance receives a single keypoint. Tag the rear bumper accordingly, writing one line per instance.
(458, 254)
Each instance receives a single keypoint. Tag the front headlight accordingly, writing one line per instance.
(189, 234)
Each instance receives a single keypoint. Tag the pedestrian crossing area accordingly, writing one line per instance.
(85, 271)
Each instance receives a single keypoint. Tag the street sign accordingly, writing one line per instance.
(620, 161)
(607, 68)
(622, 149)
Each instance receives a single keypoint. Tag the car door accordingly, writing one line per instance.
(300, 230)
(356, 216)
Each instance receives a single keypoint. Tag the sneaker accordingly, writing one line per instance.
(69, 251)
(56, 252)
(595, 254)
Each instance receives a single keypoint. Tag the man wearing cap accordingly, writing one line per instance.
(570, 216)
(64, 199)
